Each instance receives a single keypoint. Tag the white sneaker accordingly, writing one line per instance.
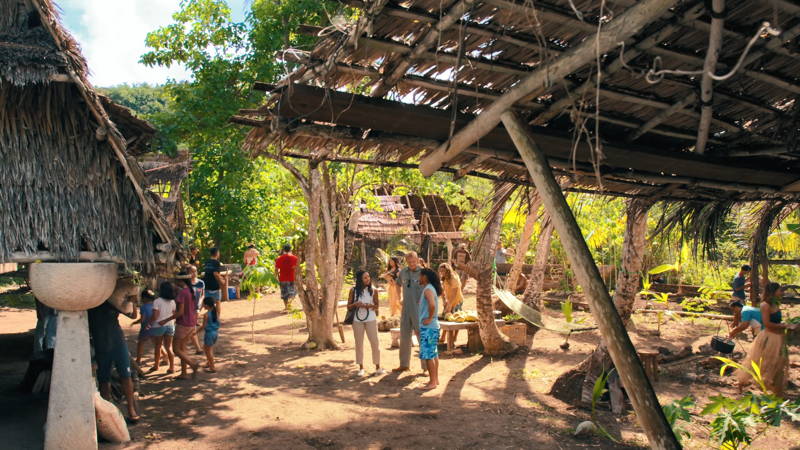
(379, 372)
(361, 373)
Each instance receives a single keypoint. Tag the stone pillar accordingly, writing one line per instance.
(72, 289)
(70, 412)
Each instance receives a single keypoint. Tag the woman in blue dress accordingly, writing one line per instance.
(429, 325)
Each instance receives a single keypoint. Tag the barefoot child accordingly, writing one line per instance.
(211, 327)
(429, 325)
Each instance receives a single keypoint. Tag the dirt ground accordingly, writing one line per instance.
(270, 394)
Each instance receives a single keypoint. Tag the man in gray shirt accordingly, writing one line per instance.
(409, 317)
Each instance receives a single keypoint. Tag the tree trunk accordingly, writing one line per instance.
(627, 288)
(494, 344)
(316, 287)
(524, 242)
(643, 397)
(633, 250)
(533, 291)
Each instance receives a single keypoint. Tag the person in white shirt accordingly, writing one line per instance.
(163, 307)
(363, 301)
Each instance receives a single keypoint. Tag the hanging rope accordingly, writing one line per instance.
(655, 74)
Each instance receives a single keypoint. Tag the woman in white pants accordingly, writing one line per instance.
(364, 301)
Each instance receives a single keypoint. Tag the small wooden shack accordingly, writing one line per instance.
(70, 190)
(165, 175)
(406, 217)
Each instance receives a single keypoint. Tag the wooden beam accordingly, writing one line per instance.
(630, 123)
(400, 66)
(662, 116)
(785, 262)
(754, 74)
(709, 67)
(488, 30)
(617, 64)
(792, 187)
(405, 51)
(620, 29)
(752, 57)
(621, 349)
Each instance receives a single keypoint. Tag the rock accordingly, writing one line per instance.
(585, 428)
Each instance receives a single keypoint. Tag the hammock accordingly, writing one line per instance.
(535, 317)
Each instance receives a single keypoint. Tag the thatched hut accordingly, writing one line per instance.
(70, 190)
(406, 219)
(165, 175)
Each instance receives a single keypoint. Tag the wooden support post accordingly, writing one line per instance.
(709, 67)
(621, 28)
(623, 354)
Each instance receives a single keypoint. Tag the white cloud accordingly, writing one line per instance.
(112, 34)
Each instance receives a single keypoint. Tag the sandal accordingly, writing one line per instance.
(170, 370)
(133, 420)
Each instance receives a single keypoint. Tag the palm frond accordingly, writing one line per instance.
(502, 193)
(697, 222)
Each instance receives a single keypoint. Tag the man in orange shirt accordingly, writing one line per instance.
(285, 265)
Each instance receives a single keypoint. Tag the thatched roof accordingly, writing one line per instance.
(69, 184)
(165, 174)
(404, 215)
(428, 57)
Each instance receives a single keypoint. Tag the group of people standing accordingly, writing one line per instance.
(414, 293)
(768, 350)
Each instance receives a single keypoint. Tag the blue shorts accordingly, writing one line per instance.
(428, 343)
(117, 356)
(145, 332)
(166, 330)
(210, 338)
(213, 294)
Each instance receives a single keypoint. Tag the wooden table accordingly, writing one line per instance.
(474, 344)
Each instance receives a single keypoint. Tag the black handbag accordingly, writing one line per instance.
(348, 318)
(351, 312)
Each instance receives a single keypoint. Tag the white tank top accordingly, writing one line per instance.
(364, 314)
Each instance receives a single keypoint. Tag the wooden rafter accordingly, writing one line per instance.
(649, 42)
(400, 65)
(709, 67)
(752, 57)
(620, 29)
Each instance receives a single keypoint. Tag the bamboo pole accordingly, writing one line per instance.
(621, 349)
(709, 67)
(620, 29)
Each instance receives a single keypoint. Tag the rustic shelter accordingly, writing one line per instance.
(672, 100)
(71, 190)
(165, 175)
(418, 219)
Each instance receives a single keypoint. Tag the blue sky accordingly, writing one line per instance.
(112, 32)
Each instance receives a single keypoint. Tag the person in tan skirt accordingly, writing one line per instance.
(769, 349)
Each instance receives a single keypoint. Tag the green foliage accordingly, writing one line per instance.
(256, 278)
(663, 268)
(677, 411)
(233, 200)
(512, 317)
(598, 390)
